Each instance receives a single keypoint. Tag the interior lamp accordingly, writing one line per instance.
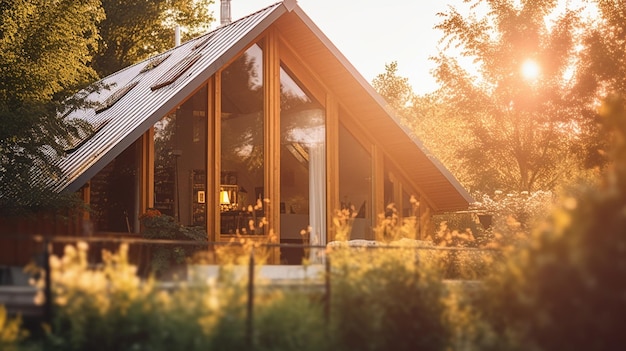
(224, 198)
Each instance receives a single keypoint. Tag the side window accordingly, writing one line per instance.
(242, 145)
(355, 182)
(180, 162)
(302, 163)
(113, 194)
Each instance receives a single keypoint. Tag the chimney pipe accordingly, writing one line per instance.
(177, 35)
(225, 12)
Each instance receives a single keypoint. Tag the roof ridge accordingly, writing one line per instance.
(244, 17)
(198, 38)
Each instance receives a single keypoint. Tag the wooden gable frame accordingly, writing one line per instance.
(292, 39)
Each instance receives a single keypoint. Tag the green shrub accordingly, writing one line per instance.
(110, 308)
(566, 290)
(11, 332)
(164, 258)
(292, 321)
(386, 299)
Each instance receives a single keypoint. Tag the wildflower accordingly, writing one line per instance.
(82, 246)
(150, 213)
(39, 298)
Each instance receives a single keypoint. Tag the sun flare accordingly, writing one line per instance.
(530, 69)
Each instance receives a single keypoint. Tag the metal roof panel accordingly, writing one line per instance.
(132, 114)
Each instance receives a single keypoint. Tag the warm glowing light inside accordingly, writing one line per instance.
(224, 198)
(530, 69)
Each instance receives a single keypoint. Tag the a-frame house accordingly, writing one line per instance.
(264, 108)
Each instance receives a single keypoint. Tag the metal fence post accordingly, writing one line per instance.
(327, 286)
(250, 310)
(47, 307)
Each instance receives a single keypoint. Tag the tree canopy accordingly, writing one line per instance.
(45, 51)
(524, 128)
(135, 30)
(601, 71)
(395, 89)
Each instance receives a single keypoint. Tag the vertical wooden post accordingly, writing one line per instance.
(212, 157)
(271, 113)
(378, 185)
(332, 164)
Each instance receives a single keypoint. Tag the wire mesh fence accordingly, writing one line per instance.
(254, 264)
(170, 260)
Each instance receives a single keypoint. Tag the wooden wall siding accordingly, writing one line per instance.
(378, 185)
(17, 249)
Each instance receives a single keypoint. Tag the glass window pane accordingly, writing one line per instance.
(113, 194)
(355, 182)
(302, 168)
(180, 162)
(242, 153)
(407, 206)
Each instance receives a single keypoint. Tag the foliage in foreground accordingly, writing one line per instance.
(386, 299)
(110, 308)
(11, 333)
(566, 290)
(375, 304)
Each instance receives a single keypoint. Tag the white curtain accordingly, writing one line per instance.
(317, 199)
(309, 131)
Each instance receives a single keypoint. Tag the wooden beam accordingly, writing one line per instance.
(212, 153)
(332, 164)
(214, 192)
(147, 166)
(378, 184)
(271, 112)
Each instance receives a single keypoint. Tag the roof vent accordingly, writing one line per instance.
(113, 98)
(154, 62)
(175, 72)
(225, 12)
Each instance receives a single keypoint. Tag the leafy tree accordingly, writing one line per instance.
(602, 70)
(523, 128)
(441, 131)
(135, 30)
(395, 89)
(45, 48)
(427, 116)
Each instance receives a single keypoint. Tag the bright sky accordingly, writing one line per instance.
(371, 33)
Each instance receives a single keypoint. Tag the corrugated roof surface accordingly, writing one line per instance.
(164, 81)
(149, 99)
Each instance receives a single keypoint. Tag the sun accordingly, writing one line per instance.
(530, 69)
